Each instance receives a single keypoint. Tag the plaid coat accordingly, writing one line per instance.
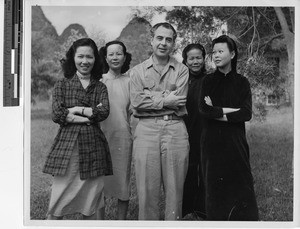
(94, 156)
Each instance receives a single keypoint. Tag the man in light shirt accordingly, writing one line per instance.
(158, 90)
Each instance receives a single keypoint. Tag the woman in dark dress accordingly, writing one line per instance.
(226, 104)
(193, 194)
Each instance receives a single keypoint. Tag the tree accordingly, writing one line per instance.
(60, 55)
(255, 29)
(263, 28)
(289, 37)
(45, 63)
(194, 24)
(43, 76)
(43, 70)
(42, 47)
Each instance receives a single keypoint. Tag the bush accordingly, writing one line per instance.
(263, 75)
(259, 111)
(43, 77)
(45, 69)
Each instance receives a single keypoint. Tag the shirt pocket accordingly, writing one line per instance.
(149, 83)
(171, 86)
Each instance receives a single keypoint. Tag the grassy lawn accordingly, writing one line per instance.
(271, 148)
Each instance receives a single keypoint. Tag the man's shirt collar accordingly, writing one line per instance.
(149, 63)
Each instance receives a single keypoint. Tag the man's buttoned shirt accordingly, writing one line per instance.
(149, 87)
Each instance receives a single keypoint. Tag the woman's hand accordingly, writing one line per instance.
(71, 118)
(208, 101)
(228, 110)
(74, 110)
(83, 111)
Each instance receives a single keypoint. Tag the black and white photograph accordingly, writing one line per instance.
(152, 114)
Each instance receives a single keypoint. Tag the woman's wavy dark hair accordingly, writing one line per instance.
(231, 46)
(68, 65)
(188, 48)
(103, 54)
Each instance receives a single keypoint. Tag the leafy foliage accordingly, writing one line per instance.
(75, 35)
(43, 69)
(263, 75)
(253, 28)
(43, 47)
(194, 24)
(43, 76)
(45, 64)
(262, 72)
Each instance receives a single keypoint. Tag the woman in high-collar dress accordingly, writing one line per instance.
(226, 104)
(117, 127)
(193, 194)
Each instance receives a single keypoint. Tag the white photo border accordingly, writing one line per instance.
(25, 213)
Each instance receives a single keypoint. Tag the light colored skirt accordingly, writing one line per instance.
(118, 184)
(71, 195)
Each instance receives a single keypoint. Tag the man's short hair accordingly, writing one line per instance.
(165, 25)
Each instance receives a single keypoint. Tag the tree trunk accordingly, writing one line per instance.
(289, 38)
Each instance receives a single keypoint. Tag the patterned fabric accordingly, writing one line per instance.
(148, 87)
(94, 156)
(70, 194)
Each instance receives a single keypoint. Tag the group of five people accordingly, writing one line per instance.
(183, 129)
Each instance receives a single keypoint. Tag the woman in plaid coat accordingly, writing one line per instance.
(79, 157)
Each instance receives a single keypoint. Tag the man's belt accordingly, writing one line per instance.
(164, 117)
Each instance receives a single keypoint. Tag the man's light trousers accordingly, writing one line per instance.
(161, 158)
